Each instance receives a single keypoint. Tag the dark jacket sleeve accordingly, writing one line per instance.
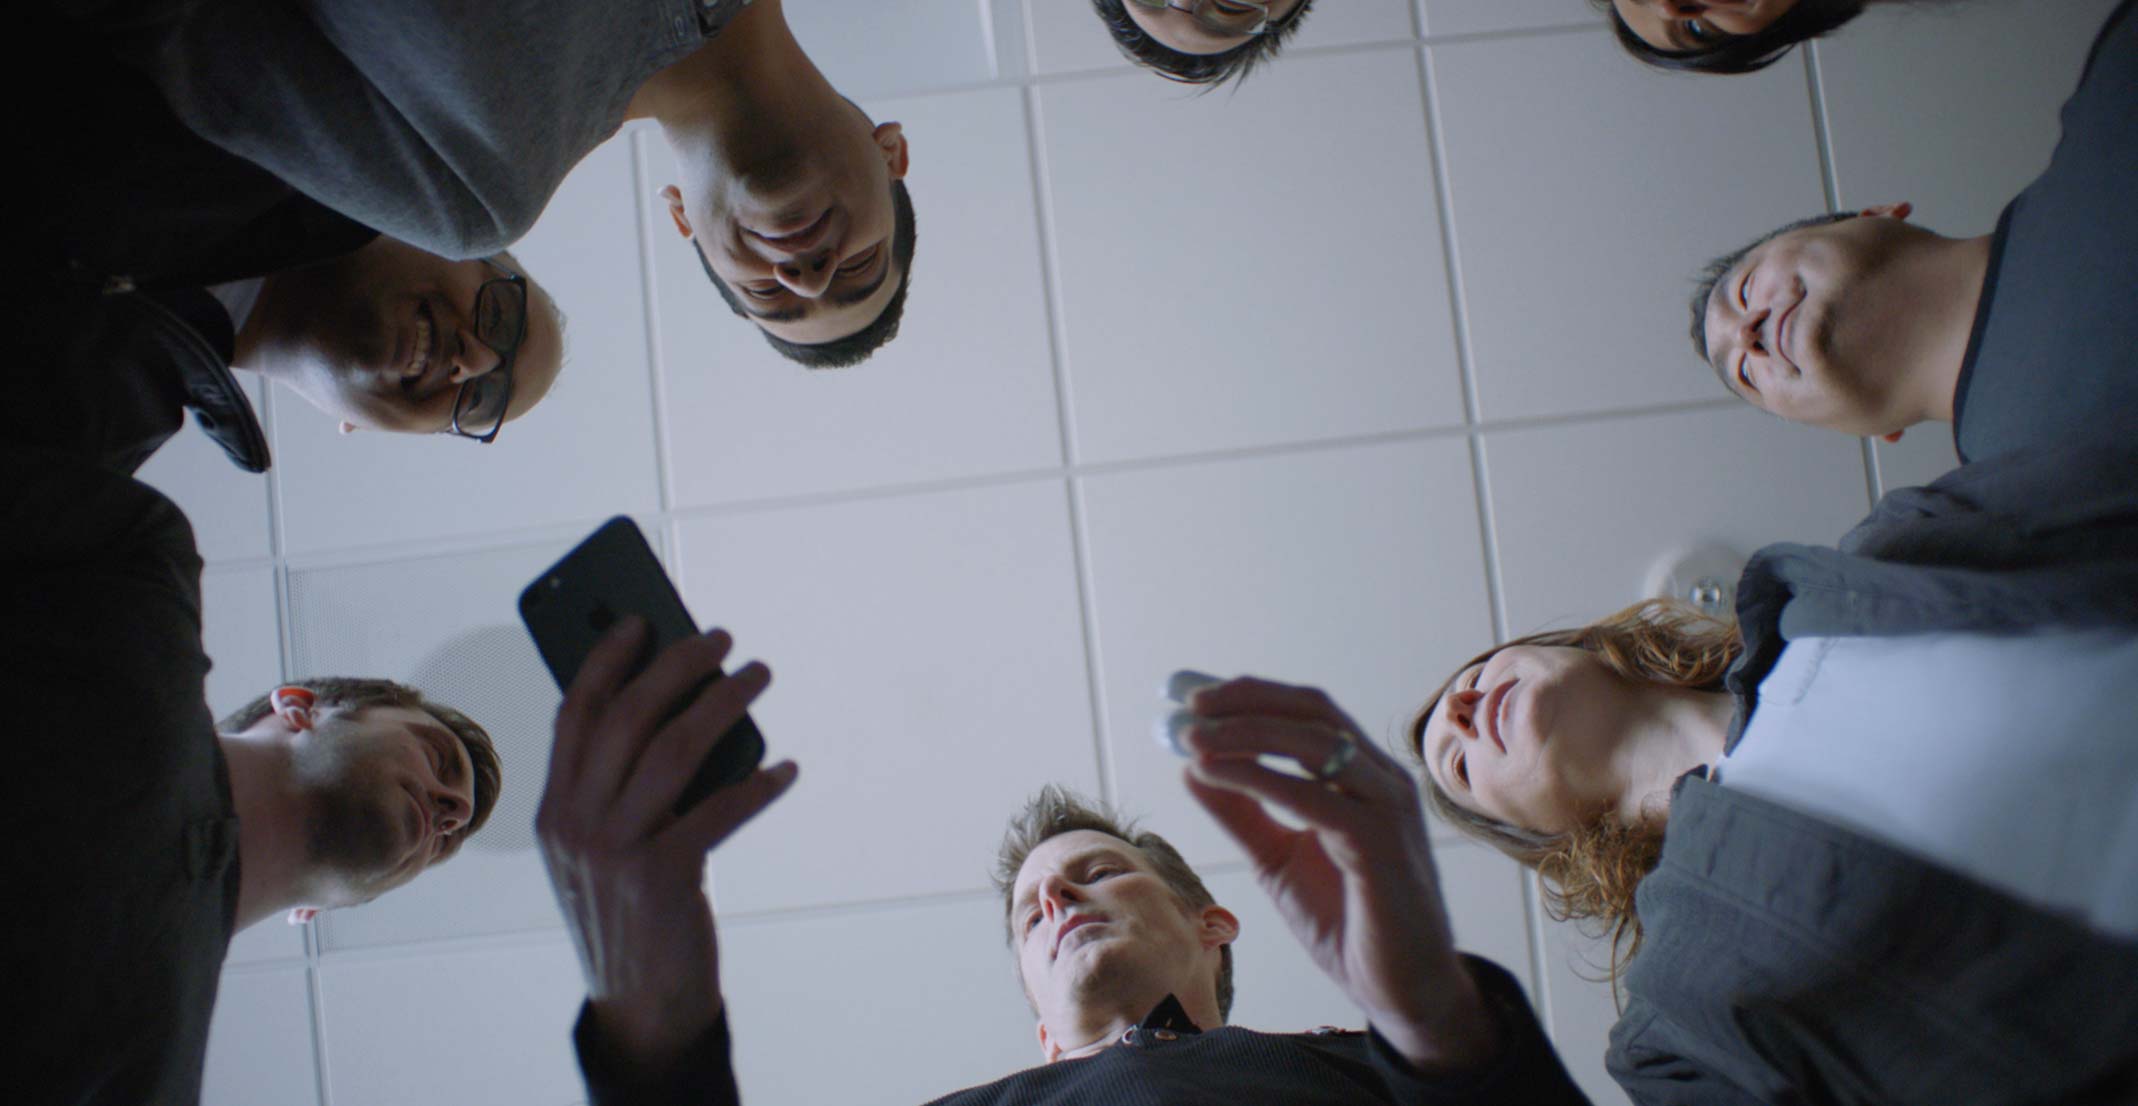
(704, 1077)
(1525, 1072)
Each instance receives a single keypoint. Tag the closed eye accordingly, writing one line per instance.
(861, 263)
(1462, 770)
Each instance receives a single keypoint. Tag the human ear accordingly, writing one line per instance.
(1890, 438)
(674, 196)
(1899, 211)
(1219, 927)
(891, 143)
(303, 914)
(1047, 1045)
(293, 705)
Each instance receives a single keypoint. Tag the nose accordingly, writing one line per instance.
(471, 358)
(1462, 712)
(807, 275)
(1056, 895)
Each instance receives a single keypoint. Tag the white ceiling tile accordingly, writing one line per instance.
(1483, 890)
(1228, 274)
(260, 1041)
(1358, 570)
(1277, 988)
(242, 636)
(585, 453)
(272, 939)
(1577, 968)
(1953, 109)
(1587, 191)
(1922, 455)
(867, 48)
(1464, 17)
(929, 674)
(1582, 511)
(226, 505)
(920, 1000)
(448, 625)
(966, 387)
(1067, 35)
(471, 1025)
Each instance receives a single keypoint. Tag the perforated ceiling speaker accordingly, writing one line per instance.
(493, 675)
(1704, 575)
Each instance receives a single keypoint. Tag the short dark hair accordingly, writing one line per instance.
(840, 353)
(1704, 283)
(1212, 70)
(1734, 54)
(355, 693)
(1058, 810)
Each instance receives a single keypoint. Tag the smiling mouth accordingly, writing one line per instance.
(1496, 712)
(419, 353)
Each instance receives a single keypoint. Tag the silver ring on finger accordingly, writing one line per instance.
(1339, 758)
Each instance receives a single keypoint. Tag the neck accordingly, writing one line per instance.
(1684, 729)
(1949, 274)
(1094, 1025)
(273, 867)
(750, 67)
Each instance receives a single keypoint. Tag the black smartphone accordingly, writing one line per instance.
(613, 573)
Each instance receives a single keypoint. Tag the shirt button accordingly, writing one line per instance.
(1129, 1037)
(1165, 1034)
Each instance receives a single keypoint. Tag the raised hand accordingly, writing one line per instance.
(1357, 885)
(628, 872)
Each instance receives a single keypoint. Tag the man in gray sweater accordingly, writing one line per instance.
(450, 127)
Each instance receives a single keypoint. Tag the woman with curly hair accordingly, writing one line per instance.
(1876, 840)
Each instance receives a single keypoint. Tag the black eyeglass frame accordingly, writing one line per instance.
(508, 352)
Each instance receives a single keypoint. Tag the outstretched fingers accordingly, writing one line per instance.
(635, 715)
(714, 820)
(671, 760)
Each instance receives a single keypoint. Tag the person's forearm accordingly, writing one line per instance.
(1452, 1030)
(619, 1072)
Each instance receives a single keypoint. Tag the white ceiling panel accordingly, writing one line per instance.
(260, 1041)
(871, 49)
(1583, 511)
(929, 673)
(967, 386)
(1921, 456)
(242, 635)
(1229, 278)
(922, 1000)
(483, 1024)
(1357, 570)
(1466, 17)
(1586, 193)
(227, 505)
(1952, 108)
(586, 452)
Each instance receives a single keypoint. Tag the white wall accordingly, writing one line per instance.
(1333, 378)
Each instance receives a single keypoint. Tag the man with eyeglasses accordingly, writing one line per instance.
(1204, 42)
(450, 126)
(153, 263)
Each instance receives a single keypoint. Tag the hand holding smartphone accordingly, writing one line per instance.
(612, 574)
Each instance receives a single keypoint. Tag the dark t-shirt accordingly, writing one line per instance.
(2054, 354)
(119, 837)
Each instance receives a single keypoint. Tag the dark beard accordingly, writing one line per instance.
(350, 837)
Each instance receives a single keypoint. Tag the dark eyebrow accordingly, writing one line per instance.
(1075, 860)
(447, 742)
(849, 299)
